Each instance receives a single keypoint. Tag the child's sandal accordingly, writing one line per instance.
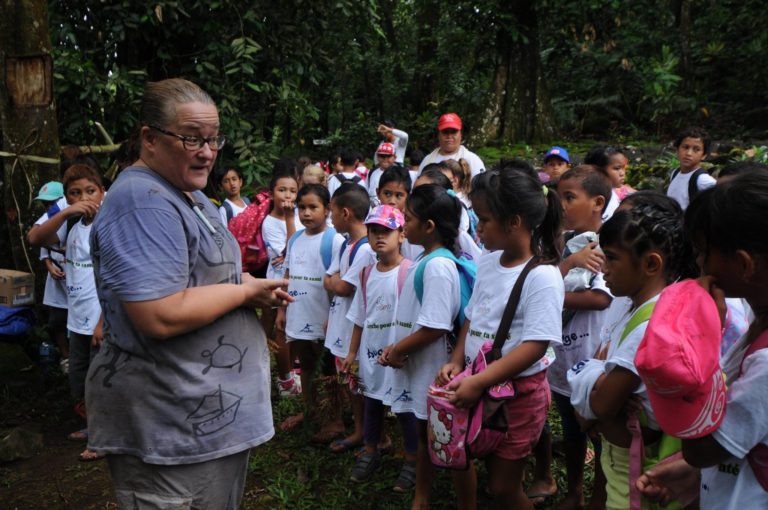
(366, 465)
(406, 481)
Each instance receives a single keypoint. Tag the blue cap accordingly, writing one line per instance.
(559, 152)
(51, 191)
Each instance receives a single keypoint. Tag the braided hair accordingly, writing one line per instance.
(650, 226)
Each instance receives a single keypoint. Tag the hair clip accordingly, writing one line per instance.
(545, 189)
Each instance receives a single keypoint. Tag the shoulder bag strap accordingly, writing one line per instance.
(509, 311)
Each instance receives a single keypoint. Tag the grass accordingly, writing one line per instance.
(292, 474)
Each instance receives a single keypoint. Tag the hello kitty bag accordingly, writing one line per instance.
(456, 435)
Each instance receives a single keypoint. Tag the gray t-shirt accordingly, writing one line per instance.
(191, 398)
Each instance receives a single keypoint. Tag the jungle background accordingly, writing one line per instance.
(523, 75)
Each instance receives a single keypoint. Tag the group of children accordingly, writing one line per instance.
(394, 294)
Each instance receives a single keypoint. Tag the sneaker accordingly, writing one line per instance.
(406, 481)
(366, 465)
(288, 387)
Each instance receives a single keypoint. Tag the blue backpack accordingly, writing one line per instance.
(467, 274)
(355, 247)
(326, 244)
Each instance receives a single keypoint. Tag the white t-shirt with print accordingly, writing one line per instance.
(339, 331)
(538, 316)
(236, 209)
(378, 322)
(82, 299)
(274, 233)
(732, 484)
(613, 203)
(55, 294)
(306, 315)
(678, 187)
(581, 340)
(622, 353)
(439, 307)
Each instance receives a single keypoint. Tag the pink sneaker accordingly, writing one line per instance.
(289, 387)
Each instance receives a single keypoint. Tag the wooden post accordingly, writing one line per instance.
(27, 122)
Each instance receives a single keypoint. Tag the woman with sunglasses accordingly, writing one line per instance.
(179, 392)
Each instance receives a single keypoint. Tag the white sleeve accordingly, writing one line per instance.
(333, 185)
(441, 299)
(542, 305)
(273, 235)
(746, 418)
(223, 215)
(402, 137)
(356, 313)
(705, 181)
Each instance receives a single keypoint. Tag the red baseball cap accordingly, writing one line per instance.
(679, 362)
(449, 121)
(386, 148)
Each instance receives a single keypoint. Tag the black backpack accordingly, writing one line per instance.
(693, 188)
(343, 178)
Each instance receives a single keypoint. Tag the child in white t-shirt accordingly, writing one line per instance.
(422, 327)
(583, 191)
(349, 207)
(349, 163)
(373, 315)
(728, 224)
(72, 226)
(231, 182)
(518, 219)
(276, 229)
(309, 255)
(692, 146)
(55, 294)
(644, 249)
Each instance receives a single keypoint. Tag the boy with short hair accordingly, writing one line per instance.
(84, 192)
(349, 162)
(556, 163)
(349, 208)
(385, 158)
(583, 191)
(687, 181)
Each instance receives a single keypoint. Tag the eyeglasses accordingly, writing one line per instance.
(195, 143)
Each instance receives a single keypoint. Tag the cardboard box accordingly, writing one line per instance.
(16, 288)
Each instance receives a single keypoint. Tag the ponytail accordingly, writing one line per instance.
(433, 202)
(548, 235)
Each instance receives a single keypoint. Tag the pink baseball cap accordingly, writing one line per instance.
(679, 362)
(449, 121)
(386, 216)
(386, 148)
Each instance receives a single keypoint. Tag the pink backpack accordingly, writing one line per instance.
(402, 272)
(456, 435)
(246, 228)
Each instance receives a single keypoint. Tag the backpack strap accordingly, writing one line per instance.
(674, 174)
(758, 456)
(467, 275)
(356, 247)
(402, 273)
(293, 239)
(509, 311)
(246, 201)
(326, 246)
(693, 186)
(642, 314)
(364, 275)
(228, 210)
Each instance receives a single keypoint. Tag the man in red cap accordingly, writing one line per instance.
(449, 136)
(397, 137)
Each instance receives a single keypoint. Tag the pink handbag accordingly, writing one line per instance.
(456, 435)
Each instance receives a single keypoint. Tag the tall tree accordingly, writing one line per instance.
(518, 105)
(27, 118)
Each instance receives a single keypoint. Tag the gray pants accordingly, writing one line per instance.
(213, 485)
(80, 355)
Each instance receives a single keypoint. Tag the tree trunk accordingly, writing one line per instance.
(428, 14)
(27, 130)
(518, 107)
(685, 24)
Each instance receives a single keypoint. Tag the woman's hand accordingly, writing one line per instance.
(261, 292)
(670, 481)
(447, 373)
(467, 391)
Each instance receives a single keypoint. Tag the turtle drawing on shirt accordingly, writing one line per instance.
(224, 356)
